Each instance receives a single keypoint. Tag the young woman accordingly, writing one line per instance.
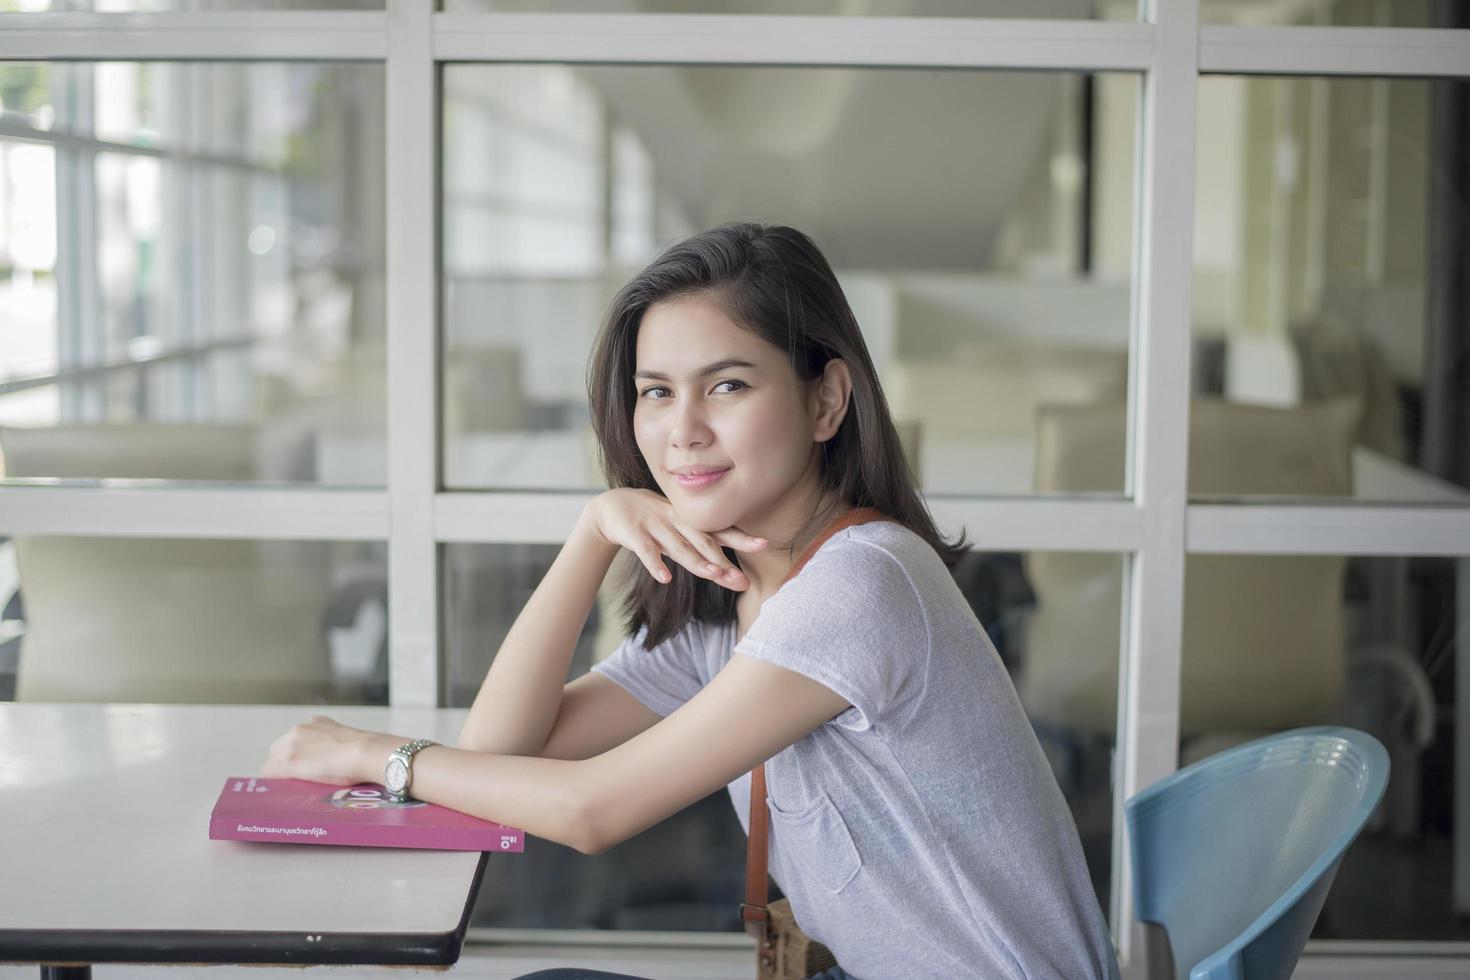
(915, 824)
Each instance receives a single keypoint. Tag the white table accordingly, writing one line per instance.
(106, 857)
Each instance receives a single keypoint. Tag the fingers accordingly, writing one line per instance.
(735, 538)
(694, 550)
(713, 563)
(646, 524)
(652, 559)
(674, 544)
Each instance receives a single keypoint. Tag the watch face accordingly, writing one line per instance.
(396, 775)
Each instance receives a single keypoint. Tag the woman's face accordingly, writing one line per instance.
(713, 396)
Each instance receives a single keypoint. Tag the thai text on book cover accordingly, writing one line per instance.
(301, 812)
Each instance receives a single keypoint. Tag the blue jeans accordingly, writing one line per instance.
(574, 973)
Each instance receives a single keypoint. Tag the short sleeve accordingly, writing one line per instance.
(662, 678)
(852, 621)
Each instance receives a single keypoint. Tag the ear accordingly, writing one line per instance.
(830, 399)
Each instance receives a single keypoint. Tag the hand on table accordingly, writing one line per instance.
(324, 751)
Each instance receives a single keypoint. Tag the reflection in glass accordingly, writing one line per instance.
(186, 244)
(173, 620)
(687, 873)
(1329, 258)
(1278, 642)
(980, 224)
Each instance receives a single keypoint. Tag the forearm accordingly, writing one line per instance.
(517, 703)
(547, 798)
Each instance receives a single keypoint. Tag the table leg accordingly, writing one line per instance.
(66, 973)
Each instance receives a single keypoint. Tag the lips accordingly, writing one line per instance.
(701, 476)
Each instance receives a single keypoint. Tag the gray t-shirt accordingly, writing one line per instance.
(919, 833)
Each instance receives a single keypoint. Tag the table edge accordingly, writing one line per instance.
(218, 946)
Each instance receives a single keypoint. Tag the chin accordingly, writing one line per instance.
(707, 516)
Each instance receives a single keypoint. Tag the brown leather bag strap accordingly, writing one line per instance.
(757, 848)
(757, 895)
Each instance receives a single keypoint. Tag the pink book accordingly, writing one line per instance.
(300, 812)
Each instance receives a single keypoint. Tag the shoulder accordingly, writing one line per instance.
(868, 570)
(886, 550)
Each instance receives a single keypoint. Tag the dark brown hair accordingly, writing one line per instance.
(773, 281)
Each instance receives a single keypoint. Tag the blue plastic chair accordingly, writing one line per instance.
(1233, 856)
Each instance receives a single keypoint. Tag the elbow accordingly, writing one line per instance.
(588, 835)
(590, 844)
(587, 829)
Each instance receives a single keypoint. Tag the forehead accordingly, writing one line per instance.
(691, 331)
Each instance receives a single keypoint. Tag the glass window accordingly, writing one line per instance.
(152, 6)
(1329, 295)
(1376, 643)
(1041, 610)
(1029, 9)
(981, 225)
(191, 244)
(177, 620)
(1335, 13)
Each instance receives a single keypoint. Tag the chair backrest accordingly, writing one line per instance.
(1262, 635)
(1233, 856)
(1335, 359)
(164, 619)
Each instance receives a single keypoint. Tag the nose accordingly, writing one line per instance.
(690, 427)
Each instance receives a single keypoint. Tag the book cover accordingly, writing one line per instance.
(300, 812)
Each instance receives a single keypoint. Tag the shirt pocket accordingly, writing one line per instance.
(817, 842)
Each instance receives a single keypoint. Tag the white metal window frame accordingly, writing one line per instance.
(1156, 527)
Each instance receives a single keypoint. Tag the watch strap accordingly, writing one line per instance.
(406, 753)
(415, 747)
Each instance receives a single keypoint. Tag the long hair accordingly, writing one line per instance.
(773, 281)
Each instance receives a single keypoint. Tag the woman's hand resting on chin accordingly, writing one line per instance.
(646, 524)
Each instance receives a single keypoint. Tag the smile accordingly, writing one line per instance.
(701, 480)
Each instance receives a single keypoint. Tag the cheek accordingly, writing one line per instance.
(777, 435)
(648, 435)
(643, 433)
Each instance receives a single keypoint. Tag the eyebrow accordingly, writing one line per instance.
(729, 362)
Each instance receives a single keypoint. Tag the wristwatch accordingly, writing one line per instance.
(398, 773)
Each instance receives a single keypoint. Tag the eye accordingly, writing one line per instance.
(732, 381)
(645, 391)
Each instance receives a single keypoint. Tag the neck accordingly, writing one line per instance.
(767, 569)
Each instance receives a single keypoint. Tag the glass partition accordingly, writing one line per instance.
(193, 244)
(181, 6)
(1329, 294)
(181, 620)
(981, 226)
(1335, 13)
(1030, 9)
(1276, 642)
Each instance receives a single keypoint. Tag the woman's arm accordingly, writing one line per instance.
(596, 714)
(748, 712)
(518, 701)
